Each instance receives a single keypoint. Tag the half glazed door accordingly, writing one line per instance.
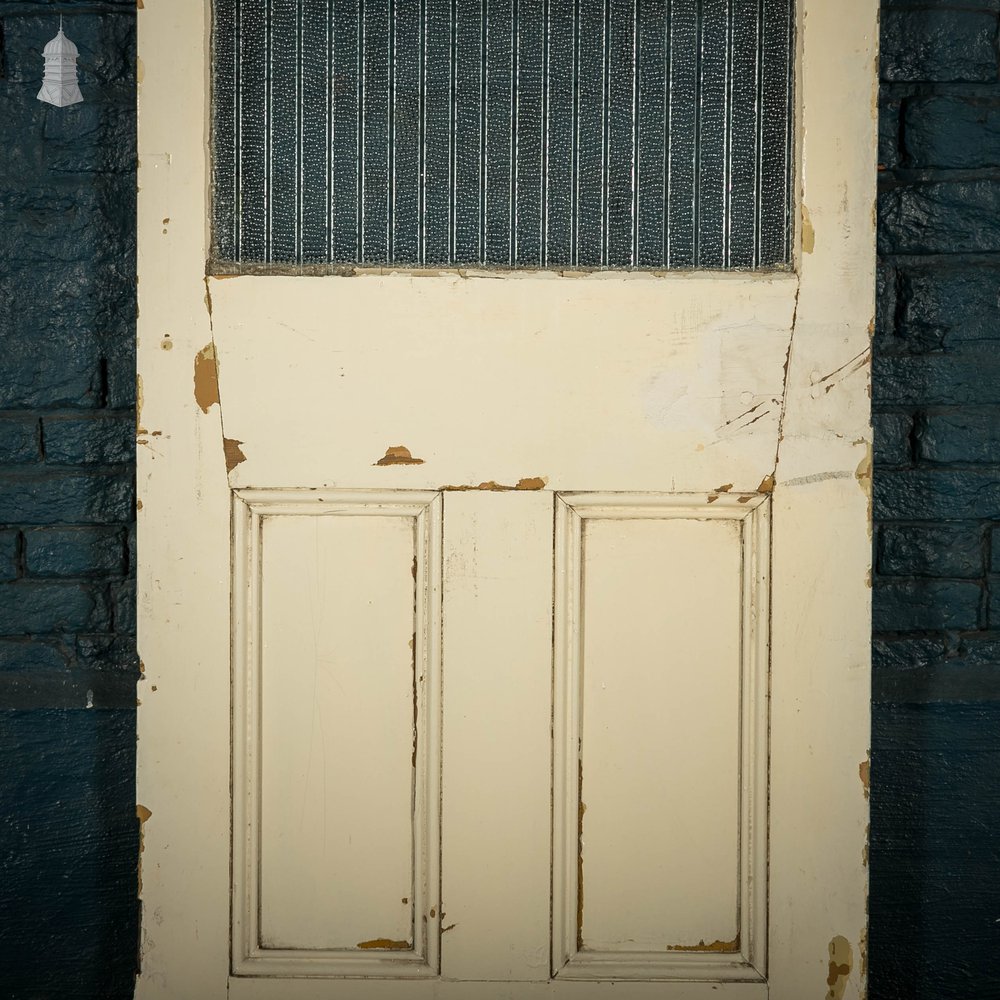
(504, 470)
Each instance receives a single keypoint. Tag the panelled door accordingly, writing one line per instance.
(504, 477)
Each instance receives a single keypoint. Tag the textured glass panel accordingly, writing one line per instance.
(503, 133)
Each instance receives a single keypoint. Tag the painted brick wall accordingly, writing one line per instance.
(68, 836)
(935, 854)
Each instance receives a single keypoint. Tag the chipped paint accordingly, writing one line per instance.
(766, 484)
(206, 378)
(138, 406)
(385, 944)
(233, 452)
(864, 770)
(724, 489)
(528, 484)
(840, 965)
(808, 233)
(398, 455)
(166, 344)
(724, 947)
(142, 814)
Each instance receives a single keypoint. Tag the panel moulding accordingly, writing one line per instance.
(741, 960)
(250, 956)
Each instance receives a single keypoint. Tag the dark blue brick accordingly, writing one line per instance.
(940, 217)
(935, 852)
(123, 596)
(950, 306)
(10, 542)
(994, 608)
(132, 549)
(47, 373)
(54, 552)
(889, 109)
(892, 438)
(51, 608)
(31, 654)
(958, 132)
(91, 137)
(908, 605)
(921, 670)
(885, 302)
(69, 848)
(106, 46)
(108, 652)
(938, 45)
(18, 440)
(931, 550)
(995, 550)
(99, 439)
(66, 498)
(954, 437)
(932, 495)
(973, 376)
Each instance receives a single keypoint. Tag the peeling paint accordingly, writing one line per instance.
(398, 455)
(206, 378)
(863, 474)
(808, 233)
(528, 484)
(840, 965)
(766, 484)
(138, 405)
(385, 944)
(715, 946)
(233, 452)
(142, 814)
(864, 770)
(724, 489)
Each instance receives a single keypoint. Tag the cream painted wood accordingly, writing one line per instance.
(337, 611)
(497, 703)
(735, 388)
(660, 737)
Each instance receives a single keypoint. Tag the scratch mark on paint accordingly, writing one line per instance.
(839, 374)
(818, 477)
(715, 946)
(385, 944)
(841, 963)
(398, 455)
(444, 930)
(206, 378)
(233, 452)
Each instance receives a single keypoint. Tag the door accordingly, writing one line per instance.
(504, 477)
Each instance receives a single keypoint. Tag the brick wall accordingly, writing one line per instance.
(936, 398)
(68, 839)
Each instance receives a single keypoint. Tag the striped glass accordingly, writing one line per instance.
(503, 133)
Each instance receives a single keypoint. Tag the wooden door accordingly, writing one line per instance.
(505, 629)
